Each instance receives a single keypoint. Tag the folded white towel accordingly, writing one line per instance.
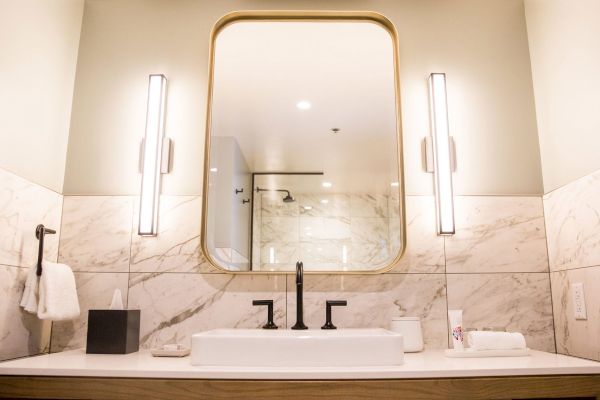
(489, 340)
(58, 293)
(29, 300)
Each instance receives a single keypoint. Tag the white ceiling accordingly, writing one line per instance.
(344, 69)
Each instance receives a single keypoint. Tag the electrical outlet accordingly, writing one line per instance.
(578, 301)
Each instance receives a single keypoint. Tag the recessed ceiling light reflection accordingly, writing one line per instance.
(308, 208)
(327, 184)
(324, 201)
(304, 105)
(213, 170)
(395, 184)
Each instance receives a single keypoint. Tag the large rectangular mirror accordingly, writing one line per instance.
(303, 147)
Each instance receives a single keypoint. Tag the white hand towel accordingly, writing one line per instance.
(29, 299)
(489, 340)
(58, 293)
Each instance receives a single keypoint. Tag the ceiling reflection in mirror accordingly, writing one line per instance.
(303, 154)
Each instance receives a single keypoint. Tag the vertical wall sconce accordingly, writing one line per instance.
(154, 155)
(440, 154)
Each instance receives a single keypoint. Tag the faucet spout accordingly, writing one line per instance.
(299, 297)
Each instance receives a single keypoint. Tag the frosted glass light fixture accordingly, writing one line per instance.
(155, 155)
(442, 154)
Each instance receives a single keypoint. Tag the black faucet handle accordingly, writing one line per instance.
(328, 305)
(269, 303)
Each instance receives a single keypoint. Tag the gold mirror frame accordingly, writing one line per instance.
(333, 16)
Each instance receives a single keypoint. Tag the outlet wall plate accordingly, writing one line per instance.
(578, 301)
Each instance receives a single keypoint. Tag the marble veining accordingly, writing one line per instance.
(95, 291)
(573, 224)
(324, 205)
(24, 205)
(579, 338)
(276, 229)
(497, 234)
(96, 233)
(424, 248)
(21, 334)
(516, 301)
(326, 231)
(175, 306)
(179, 293)
(370, 230)
(369, 205)
(176, 248)
(373, 300)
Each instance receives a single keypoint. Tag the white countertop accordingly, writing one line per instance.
(427, 364)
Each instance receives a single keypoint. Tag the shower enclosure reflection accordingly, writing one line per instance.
(328, 229)
(303, 145)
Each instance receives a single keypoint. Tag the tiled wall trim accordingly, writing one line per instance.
(497, 272)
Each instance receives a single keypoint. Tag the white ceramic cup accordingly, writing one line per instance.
(410, 328)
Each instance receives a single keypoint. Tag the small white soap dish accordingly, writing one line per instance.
(470, 353)
(171, 350)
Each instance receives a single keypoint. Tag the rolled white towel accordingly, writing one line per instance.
(58, 293)
(30, 293)
(489, 340)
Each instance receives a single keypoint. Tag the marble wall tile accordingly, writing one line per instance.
(177, 246)
(369, 230)
(373, 300)
(324, 228)
(580, 338)
(279, 229)
(96, 233)
(518, 301)
(424, 248)
(24, 205)
(324, 205)
(324, 255)
(175, 306)
(394, 203)
(497, 234)
(369, 256)
(21, 334)
(95, 291)
(573, 224)
(369, 205)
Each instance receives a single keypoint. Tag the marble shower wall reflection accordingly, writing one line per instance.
(335, 232)
(495, 268)
(23, 205)
(573, 224)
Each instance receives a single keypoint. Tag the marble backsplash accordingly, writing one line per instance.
(573, 226)
(495, 268)
(23, 205)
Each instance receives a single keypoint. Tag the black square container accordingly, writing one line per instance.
(113, 331)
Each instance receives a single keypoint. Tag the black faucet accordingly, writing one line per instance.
(330, 303)
(299, 303)
(269, 303)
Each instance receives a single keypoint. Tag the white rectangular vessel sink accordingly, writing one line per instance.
(290, 348)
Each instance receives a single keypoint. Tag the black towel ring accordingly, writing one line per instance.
(40, 232)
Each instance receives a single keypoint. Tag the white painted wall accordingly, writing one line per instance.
(39, 40)
(564, 41)
(481, 45)
(229, 223)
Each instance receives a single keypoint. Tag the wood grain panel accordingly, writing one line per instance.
(186, 389)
